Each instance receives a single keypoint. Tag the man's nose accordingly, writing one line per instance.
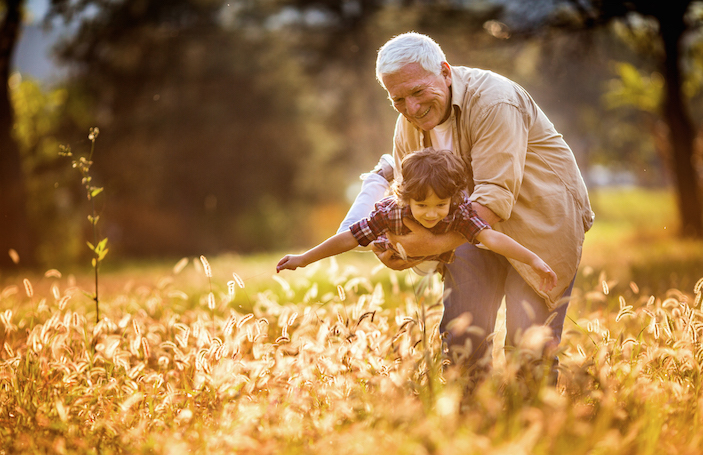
(412, 106)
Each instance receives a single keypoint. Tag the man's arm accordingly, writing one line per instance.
(487, 214)
(422, 242)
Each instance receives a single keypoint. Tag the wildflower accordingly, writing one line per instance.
(93, 133)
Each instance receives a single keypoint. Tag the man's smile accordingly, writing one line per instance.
(424, 113)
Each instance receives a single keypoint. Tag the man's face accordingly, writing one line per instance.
(422, 97)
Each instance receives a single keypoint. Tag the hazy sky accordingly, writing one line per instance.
(31, 56)
(38, 8)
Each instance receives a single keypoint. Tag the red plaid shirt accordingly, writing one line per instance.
(388, 216)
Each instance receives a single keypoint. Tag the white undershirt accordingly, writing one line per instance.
(442, 139)
(441, 136)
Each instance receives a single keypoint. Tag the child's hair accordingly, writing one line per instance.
(438, 170)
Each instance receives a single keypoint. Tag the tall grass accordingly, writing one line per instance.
(221, 355)
(337, 358)
(635, 238)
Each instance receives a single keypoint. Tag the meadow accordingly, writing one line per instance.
(221, 355)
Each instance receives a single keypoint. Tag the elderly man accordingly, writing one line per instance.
(525, 183)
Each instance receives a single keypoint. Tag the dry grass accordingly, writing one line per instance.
(333, 359)
(635, 239)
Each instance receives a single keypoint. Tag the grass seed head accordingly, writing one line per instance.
(238, 280)
(697, 290)
(14, 256)
(28, 288)
(342, 294)
(180, 265)
(206, 266)
(52, 273)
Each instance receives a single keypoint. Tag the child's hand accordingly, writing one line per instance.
(549, 278)
(290, 262)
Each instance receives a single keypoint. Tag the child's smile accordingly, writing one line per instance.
(431, 210)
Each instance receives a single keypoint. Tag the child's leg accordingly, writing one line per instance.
(373, 189)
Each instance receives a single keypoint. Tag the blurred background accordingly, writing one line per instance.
(242, 126)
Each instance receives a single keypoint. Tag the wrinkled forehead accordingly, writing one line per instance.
(408, 79)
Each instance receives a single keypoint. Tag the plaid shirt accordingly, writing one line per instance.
(388, 216)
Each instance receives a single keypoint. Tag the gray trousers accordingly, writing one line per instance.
(477, 280)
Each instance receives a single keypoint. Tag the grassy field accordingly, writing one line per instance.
(223, 357)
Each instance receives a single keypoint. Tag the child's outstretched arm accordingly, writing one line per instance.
(502, 244)
(337, 244)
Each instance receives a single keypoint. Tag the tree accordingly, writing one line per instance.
(14, 228)
(216, 120)
(200, 119)
(675, 20)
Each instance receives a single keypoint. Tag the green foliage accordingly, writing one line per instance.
(38, 115)
(634, 89)
(41, 115)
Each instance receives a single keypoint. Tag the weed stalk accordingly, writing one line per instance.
(98, 247)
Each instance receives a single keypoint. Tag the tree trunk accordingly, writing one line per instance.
(14, 227)
(681, 129)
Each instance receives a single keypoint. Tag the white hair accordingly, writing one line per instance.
(409, 48)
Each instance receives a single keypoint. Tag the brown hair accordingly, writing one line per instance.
(439, 170)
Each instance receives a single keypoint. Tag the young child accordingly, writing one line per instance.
(430, 191)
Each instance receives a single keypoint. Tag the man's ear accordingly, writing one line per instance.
(446, 69)
(447, 73)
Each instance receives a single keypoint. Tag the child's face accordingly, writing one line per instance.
(430, 211)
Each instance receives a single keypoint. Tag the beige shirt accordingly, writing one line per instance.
(522, 170)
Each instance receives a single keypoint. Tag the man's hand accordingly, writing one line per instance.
(421, 242)
(417, 243)
(392, 261)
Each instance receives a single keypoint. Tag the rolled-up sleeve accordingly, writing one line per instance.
(369, 229)
(468, 223)
(498, 157)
